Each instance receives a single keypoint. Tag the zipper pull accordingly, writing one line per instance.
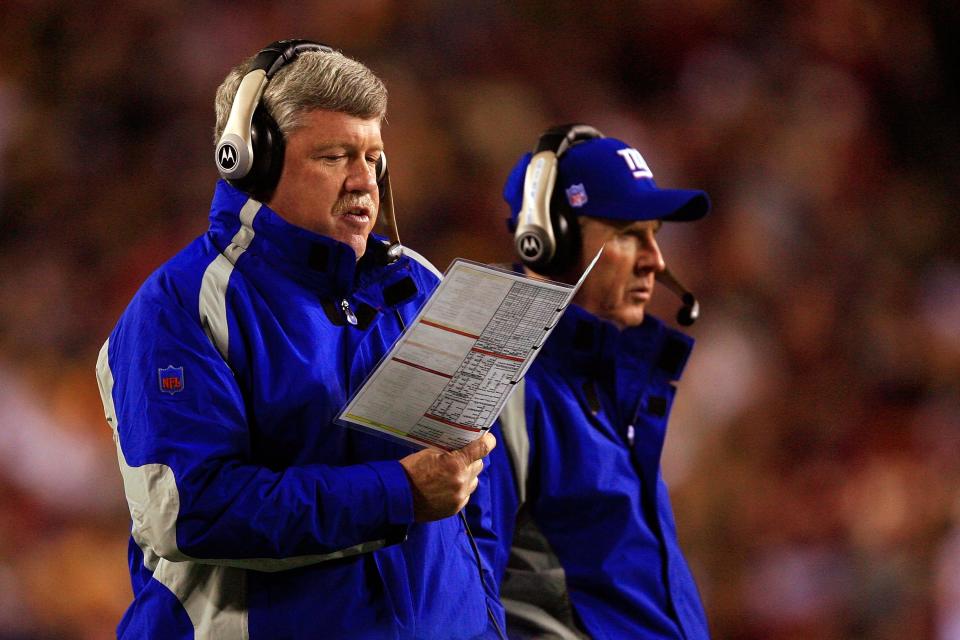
(347, 312)
(631, 434)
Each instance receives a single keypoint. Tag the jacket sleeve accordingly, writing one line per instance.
(180, 425)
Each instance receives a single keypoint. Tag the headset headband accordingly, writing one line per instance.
(234, 152)
(250, 151)
(537, 239)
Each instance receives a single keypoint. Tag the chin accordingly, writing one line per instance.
(631, 318)
(359, 246)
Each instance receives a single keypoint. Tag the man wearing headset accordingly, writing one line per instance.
(254, 515)
(575, 488)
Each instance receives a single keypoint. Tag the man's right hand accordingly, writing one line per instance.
(442, 481)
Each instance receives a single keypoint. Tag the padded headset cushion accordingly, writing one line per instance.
(268, 151)
(566, 233)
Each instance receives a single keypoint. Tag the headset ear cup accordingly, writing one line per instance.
(268, 150)
(381, 174)
(565, 227)
(566, 233)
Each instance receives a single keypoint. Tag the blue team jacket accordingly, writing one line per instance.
(254, 515)
(581, 452)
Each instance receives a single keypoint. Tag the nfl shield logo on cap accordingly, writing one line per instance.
(576, 195)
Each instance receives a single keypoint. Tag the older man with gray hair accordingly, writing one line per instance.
(254, 514)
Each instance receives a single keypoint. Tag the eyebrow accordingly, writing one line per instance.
(631, 227)
(346, 146)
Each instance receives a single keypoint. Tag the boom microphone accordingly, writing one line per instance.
(387, 211)
(690, 310)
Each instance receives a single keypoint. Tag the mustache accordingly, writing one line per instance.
(353, 201)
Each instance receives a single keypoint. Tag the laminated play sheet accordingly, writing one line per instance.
(446, 378)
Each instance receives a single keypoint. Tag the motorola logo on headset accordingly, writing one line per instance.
(530, 246)
(227, 156)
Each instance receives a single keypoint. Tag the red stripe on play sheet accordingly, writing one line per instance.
(452, 424)
(422, 368)
(437, 325)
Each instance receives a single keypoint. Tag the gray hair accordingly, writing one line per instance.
(315, 80)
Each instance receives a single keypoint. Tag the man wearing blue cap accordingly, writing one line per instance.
(581, 532)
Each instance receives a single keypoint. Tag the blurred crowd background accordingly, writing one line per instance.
(814, 454)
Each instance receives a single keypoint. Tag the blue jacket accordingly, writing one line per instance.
(580, 457)
(254, 516)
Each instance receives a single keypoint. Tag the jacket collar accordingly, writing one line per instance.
(239, 224)
(596, 348)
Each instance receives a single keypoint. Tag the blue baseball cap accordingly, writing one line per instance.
(607, 178)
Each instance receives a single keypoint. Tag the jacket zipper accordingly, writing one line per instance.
(348, 312)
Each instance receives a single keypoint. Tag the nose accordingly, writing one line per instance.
(649, 258)
(361, 177)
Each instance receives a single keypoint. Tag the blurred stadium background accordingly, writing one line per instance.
(814, 456)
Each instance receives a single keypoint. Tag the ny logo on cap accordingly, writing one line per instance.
(636, 163)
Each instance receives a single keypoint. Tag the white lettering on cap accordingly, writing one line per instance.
(636, 163)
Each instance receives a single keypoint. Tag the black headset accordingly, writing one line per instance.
(547, 237)
(249, 154)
